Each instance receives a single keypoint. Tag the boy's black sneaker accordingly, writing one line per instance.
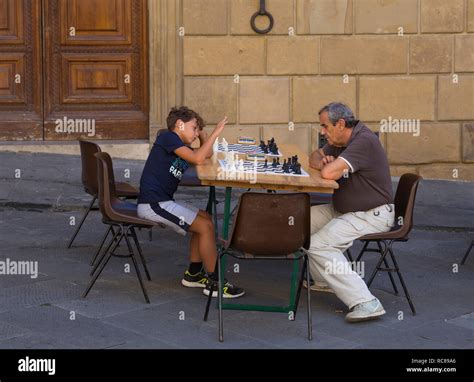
(198, 280)
(230, 291)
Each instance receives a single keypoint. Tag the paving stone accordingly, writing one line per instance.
(55, 323)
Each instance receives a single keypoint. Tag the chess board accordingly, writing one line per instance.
(246, 149)
(249, 166)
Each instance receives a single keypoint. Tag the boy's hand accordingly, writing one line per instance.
(220, 126)
(203, 135)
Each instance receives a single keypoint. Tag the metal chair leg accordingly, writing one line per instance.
(412, 307)
(211, 208)
(389, 272)
(135, 264)
(82, 222)
(467, 253)
(362, 251)
(349, 255)
(209, 298)
(137, 244)
(100, 246)
(377, 268)
(116, 240)
(102, 266)
(300, 284)
(219, 298)
(308, 296)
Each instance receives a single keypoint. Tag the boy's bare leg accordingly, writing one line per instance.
(203, 243)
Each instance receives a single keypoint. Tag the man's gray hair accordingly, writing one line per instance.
(337, 111)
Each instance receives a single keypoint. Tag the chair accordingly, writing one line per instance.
(89, 181)
(404, 206)
(467, 253)
(119, 214)
(268, 227)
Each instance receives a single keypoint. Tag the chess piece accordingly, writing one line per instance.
(215, 146)
(274, 164)
(225, 144)
(241, 165)
(266, 164)
(298, 169)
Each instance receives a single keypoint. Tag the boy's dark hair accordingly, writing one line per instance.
(185, 114)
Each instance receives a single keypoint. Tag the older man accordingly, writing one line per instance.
(363, 204)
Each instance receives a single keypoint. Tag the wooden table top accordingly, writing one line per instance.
(210, 175)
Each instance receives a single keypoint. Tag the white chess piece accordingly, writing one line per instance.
(225, 144)
(232, 161)
(215, 146)
(241, 165)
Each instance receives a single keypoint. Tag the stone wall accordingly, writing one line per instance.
(398, 59)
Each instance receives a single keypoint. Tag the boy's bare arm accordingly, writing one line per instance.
(198, 156)
(203, 137)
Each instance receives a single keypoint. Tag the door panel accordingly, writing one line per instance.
(99, 69)
(96, 22)
(12, 90)
(11, 21)
(21, 106)
(101, 79)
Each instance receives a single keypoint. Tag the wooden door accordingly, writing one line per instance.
(21, 106)
(95, 69)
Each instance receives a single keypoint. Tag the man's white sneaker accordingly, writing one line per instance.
(318, 287)
(365, 311)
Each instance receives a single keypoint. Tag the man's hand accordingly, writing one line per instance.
(318, 159)
(327, 159)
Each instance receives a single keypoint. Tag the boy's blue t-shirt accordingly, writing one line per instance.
(163, 169)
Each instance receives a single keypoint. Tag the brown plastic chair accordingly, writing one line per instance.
(467, 253)
(404, 206)
(90, 183)
(120, 214)
(268, 227)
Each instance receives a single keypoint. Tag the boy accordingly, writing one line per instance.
(168, 159)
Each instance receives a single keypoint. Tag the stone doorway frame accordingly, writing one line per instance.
(165, 60)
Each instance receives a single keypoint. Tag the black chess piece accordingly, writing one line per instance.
(286, 167)
(274, 164)
(298, 168)
(278, 161)
(266, 164)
